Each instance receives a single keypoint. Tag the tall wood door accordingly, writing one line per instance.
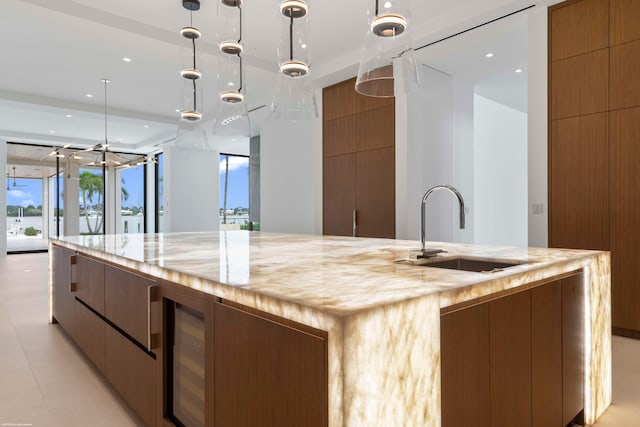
(62, 298)
(358, 163)
(625, 218)
(267, 373)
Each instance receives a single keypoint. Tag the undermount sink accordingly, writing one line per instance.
(472, 264)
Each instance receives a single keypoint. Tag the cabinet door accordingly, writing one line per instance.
(465, 367)
(90, 334)
(63, 300)
(338, 195)
(625, 16)
(267, 373)
(579, 183)
(625, 82)
(572, 347)
(510, 349)
(127, 302)
(567, 23)
(625, 219)
(89, 282)
(546, 356)
(375, 193)
(132, 373)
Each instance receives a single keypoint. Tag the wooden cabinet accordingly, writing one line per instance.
(593, 122)
(267, 371)
(579, 183)
(516, 360)
(89, 334)
(567, 24)
(63, 301)
(88, 282)
(128, 302)
(132, 373)
(625, 220)
(358, 163)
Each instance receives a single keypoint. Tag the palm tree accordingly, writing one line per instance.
(90, 185)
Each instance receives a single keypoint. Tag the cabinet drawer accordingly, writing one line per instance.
(87, 277)
(131, 371)
(127, 302)
(89, 334)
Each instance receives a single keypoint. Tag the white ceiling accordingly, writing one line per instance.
(56, 52)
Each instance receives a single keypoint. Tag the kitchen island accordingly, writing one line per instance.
(373, 322)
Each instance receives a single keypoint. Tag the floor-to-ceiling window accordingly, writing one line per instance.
(25, 223)
(159, 192)
(132, 196)
(91, 196)
(234, 192)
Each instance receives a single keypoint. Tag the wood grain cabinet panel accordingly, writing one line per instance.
(580, 85)
(625, 21)
(88, 277)
(465, 367)
(625, 218)
(342, 100)
(338, 194)
(568, 24)
(89, 334)
(62, 299)
(131, 371)
(625, 75)
(339, 136)
(375, 193)
(510, 349)
(546, 356)
(579, 183)
(127, 302)
(267, 373)
(572, 347)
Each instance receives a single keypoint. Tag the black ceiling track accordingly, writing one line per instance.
(477, 26)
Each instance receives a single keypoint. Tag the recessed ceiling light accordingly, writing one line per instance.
(52, 131)
(519, 70)
(125, 59)
(68, 115)
(489, 55)
(177, 110)
(120, 139)
(146, 126)
(89, 95)
(303, 45)
(387, 5)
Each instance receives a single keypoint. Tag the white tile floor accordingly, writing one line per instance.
(44, 381)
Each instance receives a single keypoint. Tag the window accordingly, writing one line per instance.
(91, 193)
(25, 223)
(132, 196)
(159, 192)
(234, 192)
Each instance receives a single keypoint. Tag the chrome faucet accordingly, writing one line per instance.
(423, 217)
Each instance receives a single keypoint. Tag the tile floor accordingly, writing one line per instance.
(44, 381)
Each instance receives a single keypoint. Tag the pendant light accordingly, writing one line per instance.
(387, 66)
(294, 98)
(191, 133)
(231, 118)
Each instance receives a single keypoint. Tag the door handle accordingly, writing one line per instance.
(151, 296)
(354, 231)
(73, 260)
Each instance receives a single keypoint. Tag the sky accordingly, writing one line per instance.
(26, 192)
(238, 188)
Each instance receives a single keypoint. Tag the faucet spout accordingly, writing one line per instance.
(423, 210)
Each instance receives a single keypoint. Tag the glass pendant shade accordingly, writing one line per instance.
(191, 135)
(229, 25)
(294, 97)
(387, 66)
(232, 120)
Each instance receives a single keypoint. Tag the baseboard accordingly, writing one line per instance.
(627, 333)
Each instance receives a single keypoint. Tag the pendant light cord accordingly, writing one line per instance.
(106, 141)
(291, 37)
(376, 7)
(240, 40)
(193, 81)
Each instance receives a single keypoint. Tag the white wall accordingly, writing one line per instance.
(500, 163)
(191, 189)
(537, 125)
(291, 176)
(434, 128)
(3, 198)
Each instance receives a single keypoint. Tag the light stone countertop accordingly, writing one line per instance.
(336, 275)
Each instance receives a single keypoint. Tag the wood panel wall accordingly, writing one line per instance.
(358, 163)
(594, 140)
